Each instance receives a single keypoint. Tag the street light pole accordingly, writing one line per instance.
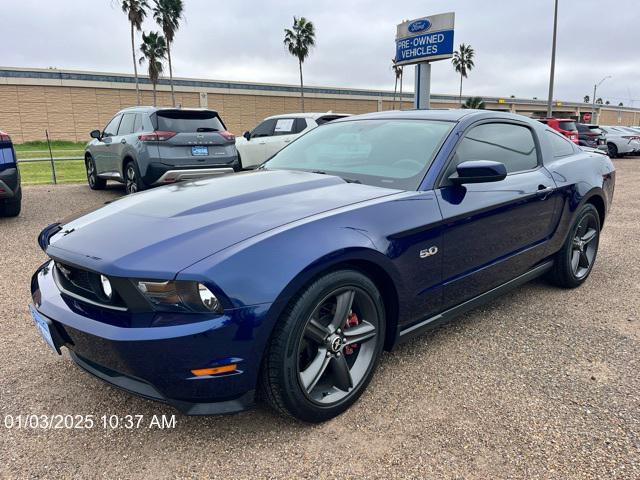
(593, 100)
(553, 60)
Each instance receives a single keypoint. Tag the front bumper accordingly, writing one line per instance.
(156, 362)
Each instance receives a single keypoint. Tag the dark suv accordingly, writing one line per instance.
(146, 146)
(591, 136)
(10, 190)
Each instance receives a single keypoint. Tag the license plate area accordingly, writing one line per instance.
(43, 326)
(199, 151)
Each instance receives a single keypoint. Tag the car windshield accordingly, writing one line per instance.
(384, 153)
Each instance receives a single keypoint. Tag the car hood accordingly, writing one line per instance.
(157, 233)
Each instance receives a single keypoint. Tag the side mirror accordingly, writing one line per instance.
(247, 135)
(96, 134)
(478, 171)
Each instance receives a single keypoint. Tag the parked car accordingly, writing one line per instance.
(620, 142)
(10, 188)
(292, 279)
(146, 146)
(591, 136)
(274, 133)
(565, 126)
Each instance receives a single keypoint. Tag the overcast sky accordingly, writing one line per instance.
(242, 40)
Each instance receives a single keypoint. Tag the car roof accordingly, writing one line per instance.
(314, 115)
(450, 114)
(151, 109)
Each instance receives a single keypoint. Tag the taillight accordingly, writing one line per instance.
(227, 135)
(158, 136)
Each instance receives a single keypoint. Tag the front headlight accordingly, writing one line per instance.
(179, 296)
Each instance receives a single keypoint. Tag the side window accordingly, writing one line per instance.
(137, 124)
(560, 146)
(264, 129)
(126, 125)
(506, 143)
(112, 127)
(284, 126)
(300, 125)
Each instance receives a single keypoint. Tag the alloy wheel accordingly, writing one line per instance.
(131, 179)
(338, 345)
(91, 173)
(584, 246)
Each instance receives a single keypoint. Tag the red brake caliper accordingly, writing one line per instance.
(352, 321)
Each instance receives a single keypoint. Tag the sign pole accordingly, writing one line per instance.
(422, 98)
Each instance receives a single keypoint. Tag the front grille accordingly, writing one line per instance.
(84, 285)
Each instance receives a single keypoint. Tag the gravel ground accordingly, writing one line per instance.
(542, 383)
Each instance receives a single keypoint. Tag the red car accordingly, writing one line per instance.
(565, 126)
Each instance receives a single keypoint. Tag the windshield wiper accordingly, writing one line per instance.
(348, 180)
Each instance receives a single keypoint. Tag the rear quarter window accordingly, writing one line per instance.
(560, 146)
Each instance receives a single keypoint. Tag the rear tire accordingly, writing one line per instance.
(613, 150)
(11, 207)
(132, 179)
(325, 348)
(574, 262)
(95, 182)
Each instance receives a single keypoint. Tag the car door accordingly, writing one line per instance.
(253, 152)
(495, 231)
(120, 143)
(103, 151)
(284, 132)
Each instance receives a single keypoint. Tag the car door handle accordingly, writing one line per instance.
(544, 191)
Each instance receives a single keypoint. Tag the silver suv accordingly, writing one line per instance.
(146, 146)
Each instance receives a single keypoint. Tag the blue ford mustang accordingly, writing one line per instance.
(292, 279)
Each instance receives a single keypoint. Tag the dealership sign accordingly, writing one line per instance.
(425, 39)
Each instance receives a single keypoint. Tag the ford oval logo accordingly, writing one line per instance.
(419, 26)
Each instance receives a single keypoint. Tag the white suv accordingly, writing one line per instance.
(274, 133)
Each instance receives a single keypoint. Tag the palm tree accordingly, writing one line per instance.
(167, 14)
(587, 98)
(599, 101)
(621, 104)
(136, 10)
(397, 70)
(607, 102)
(475, 103)
(154, 51)
(299, 39)
(463, 62)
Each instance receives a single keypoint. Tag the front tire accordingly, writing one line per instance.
(132, 179)
(325, 347)
(95, 182)
(613, 150)
(574, 262)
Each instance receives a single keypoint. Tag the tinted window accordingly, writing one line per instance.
(264, 129)
(385, 153)
(112, 127)
(567, 125)
(560, 146)
(300, 125)
(189, 121)
(506, 143)
(328, 118)
(126, 125)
